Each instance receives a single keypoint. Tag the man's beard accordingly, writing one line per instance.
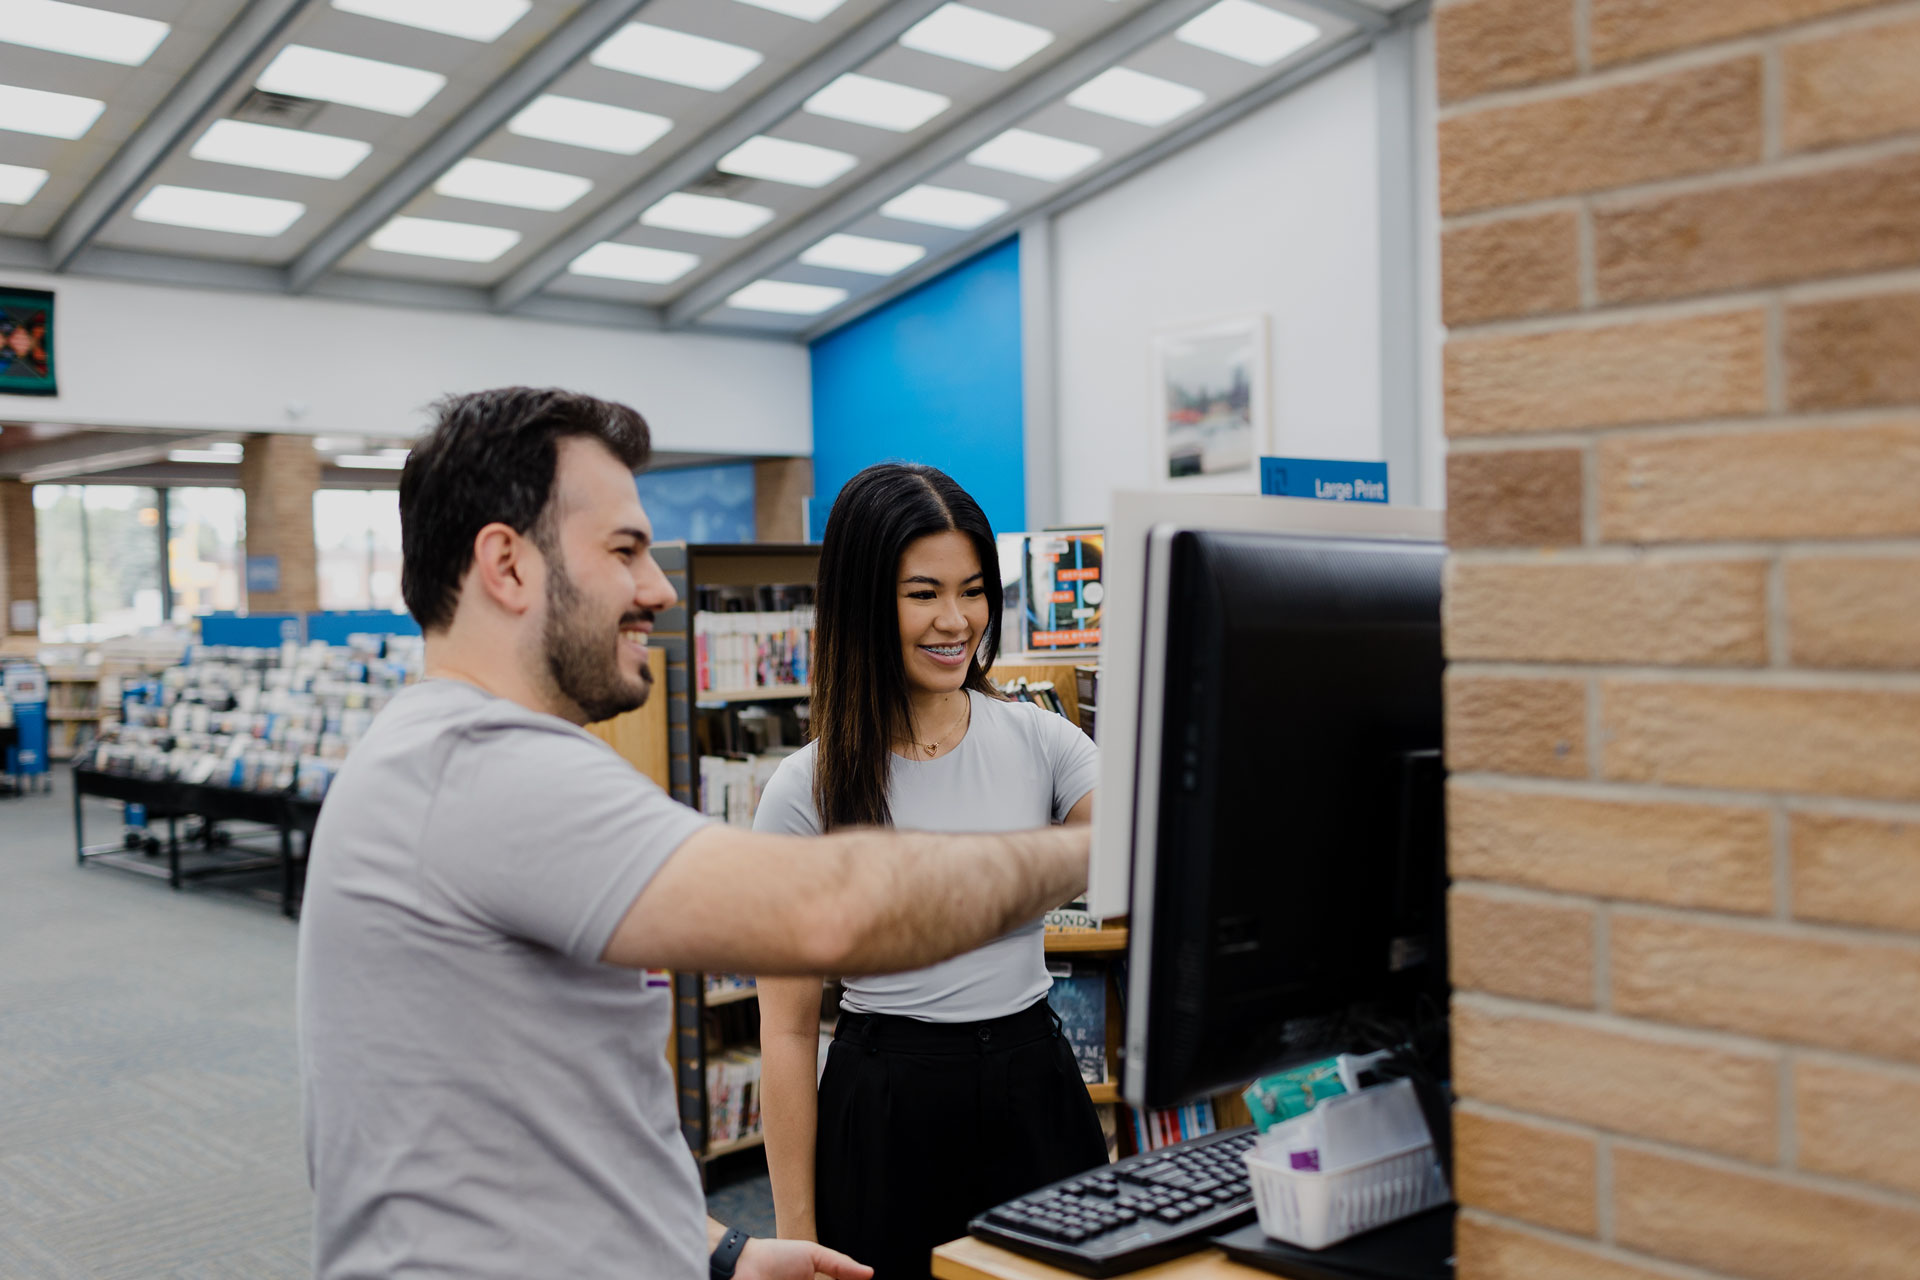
(582, 659)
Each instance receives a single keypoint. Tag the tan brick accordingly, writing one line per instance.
(1514, 267)
(1508, 724)
(1856, 870)
(1664, 370)
(1836, 222)
(1756, 1226)
(1853, 352)
(1715, 1099)
(1514, 498)
(19, 551)
(1517, 947)
(1858, 1122)
(1809, 482)
(1849, 87)
(1489, 1251)
(279, 474)
(1767, 982)
(1689, 855)
(1684, 612)
(1485, 45)
(1854, 612)
(1525, 1171)
(1826, 741)
(1623, 29)
(1692, 121)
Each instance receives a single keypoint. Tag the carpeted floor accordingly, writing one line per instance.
(149, 1107)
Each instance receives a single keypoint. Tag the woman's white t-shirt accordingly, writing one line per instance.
(1020, 767)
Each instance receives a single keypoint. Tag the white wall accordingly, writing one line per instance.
(1277, 214)
(151, 355)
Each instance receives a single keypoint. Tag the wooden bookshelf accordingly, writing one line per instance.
(733, 995)
(640, 735)
(1108, 941)
(1103, 1094)
(766, 693)
(758, 1138)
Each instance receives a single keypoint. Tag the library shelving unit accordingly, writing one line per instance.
(73, 709)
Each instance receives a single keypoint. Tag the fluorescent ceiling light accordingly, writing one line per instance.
(1248, 31)
(1034, 155)
(778, 160)
(204, 455)
(642, 49)
(880, 103)
(383, 461)
(612, 261)
(1135, 96)
(863, 253)
(787, 298)
(810, 10)
(218, 211)
(433, 238)
(483, 20)
(513, 184)
(306, 72)
(264, 146)
(82, 31)
(52, 115)
(945, 207)
(971, 35)
(19, 184)
(580, 123)
(707, 215)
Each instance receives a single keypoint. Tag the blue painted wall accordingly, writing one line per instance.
(699, 504)
(932, 377)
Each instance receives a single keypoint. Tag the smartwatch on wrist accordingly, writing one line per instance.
(726, 1254)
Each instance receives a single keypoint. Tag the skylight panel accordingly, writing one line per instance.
(19, 184)
(1034, 155)
(787, 298)
(610, 260)
(512, 184)
(642, 49)
(218, 211)
(1248, 31)
(306, 72)
(51, 115)
(265, 146)
(1135, 96)
(808, 10)
(864, 254)
(945, 207)
(580, 123)
(778, 160)
(966, 34)
(707, 215)
(482, 20)
(434, 238)
(880, 103)
(81, 30)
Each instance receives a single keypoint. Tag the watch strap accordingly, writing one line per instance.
(726, 1254)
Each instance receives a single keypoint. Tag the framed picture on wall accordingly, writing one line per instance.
(1212, 410)
(26, 342)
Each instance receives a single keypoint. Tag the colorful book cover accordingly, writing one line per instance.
(1079, 999)
(1064, 590)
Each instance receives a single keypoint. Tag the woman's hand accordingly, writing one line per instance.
(796, 1260)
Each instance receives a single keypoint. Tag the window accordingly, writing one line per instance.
(205, 550)
(356, 536)
(99, 560)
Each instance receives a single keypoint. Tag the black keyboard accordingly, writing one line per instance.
(1142, 1210)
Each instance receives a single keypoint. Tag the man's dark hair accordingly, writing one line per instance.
(491, 456)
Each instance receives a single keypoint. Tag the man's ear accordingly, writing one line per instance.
(507, 567)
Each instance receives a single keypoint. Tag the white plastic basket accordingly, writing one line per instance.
(1313, 1210)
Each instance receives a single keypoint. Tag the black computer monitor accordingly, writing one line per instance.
(1288, 897)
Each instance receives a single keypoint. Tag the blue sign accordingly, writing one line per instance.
(1326, 479)
(263, 573)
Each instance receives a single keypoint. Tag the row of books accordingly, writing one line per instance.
(1020, 689)
(719, 984)
(758, 650)
(733, 1096)
(1153, 1129)
(730, 786)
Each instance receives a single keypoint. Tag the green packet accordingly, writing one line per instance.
(1292, 1093)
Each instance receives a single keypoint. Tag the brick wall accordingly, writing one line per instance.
(19, 551)
(279, 475)
(1682, 280)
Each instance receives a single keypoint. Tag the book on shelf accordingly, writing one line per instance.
(1079, 999)
(748, 638)
(1072, 918)
(1156, 1127)
(718, 984)
(733, 1096)
(1063, 589)
(730, 786)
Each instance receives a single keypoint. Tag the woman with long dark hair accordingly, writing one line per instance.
(949, 1089)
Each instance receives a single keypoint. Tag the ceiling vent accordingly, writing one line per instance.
(281, 109)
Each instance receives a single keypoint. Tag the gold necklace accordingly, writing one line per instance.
(966, 713)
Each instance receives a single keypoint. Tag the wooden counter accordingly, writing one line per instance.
(970, 1259)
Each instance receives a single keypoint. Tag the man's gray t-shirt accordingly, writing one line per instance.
(484, 1098)
(1020, 767)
